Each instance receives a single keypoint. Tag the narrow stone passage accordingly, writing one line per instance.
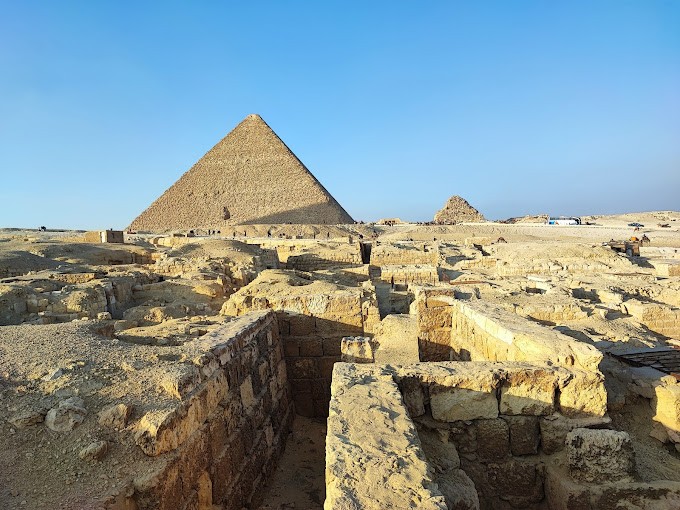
(298, 481)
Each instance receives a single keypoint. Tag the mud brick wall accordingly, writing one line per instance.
(223, 437)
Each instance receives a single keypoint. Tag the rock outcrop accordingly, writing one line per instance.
(456, 210)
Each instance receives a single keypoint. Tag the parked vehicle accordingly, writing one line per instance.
(564, 220)
(634, 224)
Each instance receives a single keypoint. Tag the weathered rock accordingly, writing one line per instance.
(600, 455)
(493, 439)
(454, 404)
(67, 415)
(524, 434)
(27, 418)
(554, 430)
(115, 416)
(94, 451)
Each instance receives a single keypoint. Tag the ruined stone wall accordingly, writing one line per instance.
(486, 430)
(659, 318)
(228, 427)
(409, 274)
(391, 254)
(316, 261)
(341, 250)
(555, 313)
(432, 307)
(312, 347)
(481, 331)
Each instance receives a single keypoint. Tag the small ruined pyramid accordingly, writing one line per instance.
(249, 177)
(457, 210)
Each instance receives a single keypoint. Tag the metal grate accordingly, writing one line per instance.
(666, 360)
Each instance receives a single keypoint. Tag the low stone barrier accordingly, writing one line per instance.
(483, 431)
(222, 439)
(481, 331)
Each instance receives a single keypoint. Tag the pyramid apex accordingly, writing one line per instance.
(254, 116)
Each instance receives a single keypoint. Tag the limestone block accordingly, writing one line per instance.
(179, 381)
(657, 495)
(529, 392)
(458, 490)
(517, 481)
(583, 395)
(600, 455)
(554, 429)
(493, 439)
(397, 340)
(667, 405)
(357, 349)
(453, 404)
(373, 454)
(115, 416)
(160, 431)
(562, 493)
(524, 434)
(331, 346)
(302, 368)
(311, 347)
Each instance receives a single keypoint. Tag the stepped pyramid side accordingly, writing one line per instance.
(249, 177)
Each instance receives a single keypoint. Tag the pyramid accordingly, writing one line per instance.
(249, 177)
(457, 210)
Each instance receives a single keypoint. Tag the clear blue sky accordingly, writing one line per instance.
(564, 107)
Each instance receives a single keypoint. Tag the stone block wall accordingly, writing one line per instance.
(481, 331)
(420, 274)
(312, 346)
(432, 307)
(555, 313)
(323, 260)
(340, 251)
(223, 436)
(393, 254)
(659, 318)
(485, 430)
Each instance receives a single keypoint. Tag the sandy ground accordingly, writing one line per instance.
(298, 482)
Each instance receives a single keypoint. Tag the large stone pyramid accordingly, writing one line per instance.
(249, 177)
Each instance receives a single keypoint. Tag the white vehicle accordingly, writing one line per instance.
(564, 220)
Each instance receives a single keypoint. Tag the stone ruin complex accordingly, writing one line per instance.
(440, 368)
(168, 372)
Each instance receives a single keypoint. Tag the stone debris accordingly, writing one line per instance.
(115, 416)
(67, 415)
(94, 451)
(600, 455)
